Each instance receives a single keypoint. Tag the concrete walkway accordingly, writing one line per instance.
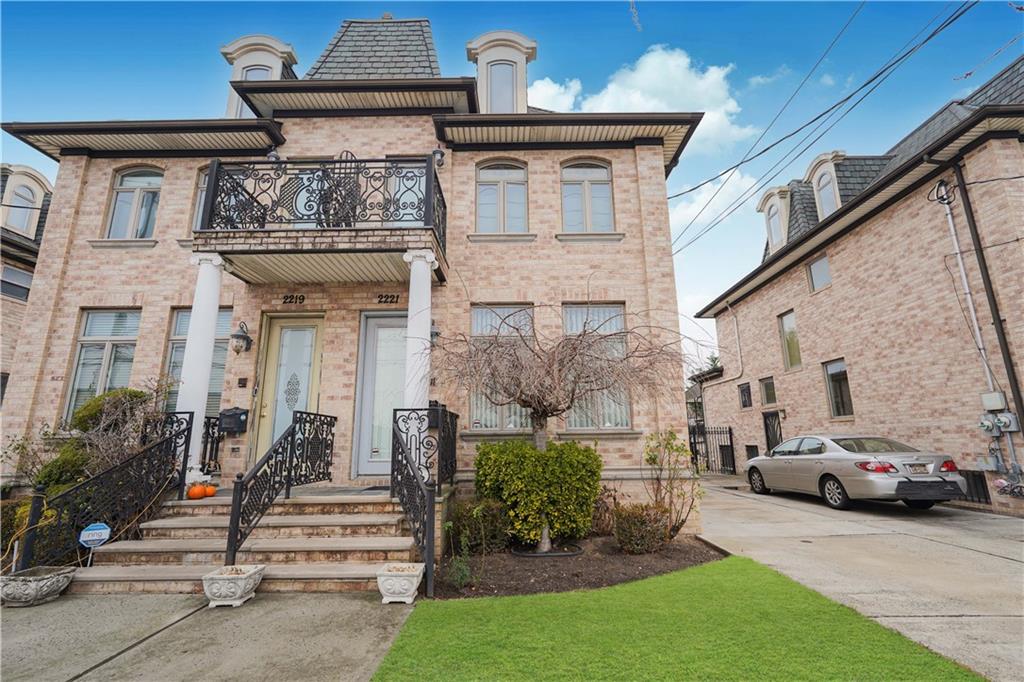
(948, 578)
(175, 637)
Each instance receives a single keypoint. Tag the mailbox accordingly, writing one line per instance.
(234, 420)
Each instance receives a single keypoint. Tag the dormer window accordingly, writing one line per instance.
(252, 73)
(774, 228)
(22, 208)
(826, 191)
(502, 87)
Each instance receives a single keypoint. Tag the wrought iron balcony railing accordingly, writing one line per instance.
(348, 193)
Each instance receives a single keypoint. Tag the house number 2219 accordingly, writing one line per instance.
(294, 298)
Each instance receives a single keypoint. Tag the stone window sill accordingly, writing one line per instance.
(185, 243)
(606, 434)
(494, 434)
(122, 243)
(498, 237)
(590, 236)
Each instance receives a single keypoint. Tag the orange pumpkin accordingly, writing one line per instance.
(196, 491)
(210, 489)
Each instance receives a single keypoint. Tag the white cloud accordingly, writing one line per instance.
(828, 80)
(761, 80)
(548, 94)
(662, 79)
(689, 206)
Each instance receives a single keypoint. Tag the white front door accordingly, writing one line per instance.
(379, 392)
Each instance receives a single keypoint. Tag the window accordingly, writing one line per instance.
(501, 87)
(767, 390)
(501, 198)
(811, 446)
(819, 273)
(872, 445)
(774, 228)
(103, 361)
(587, 198)
(751, 452)
(22, 208)
(788, 448)
(790, 343)
(608, 409)
(499, 321)
(745, 399)
(136, 196)
(15, 283)
(176, 354)
(252, 73)
(197, 218)
(838, 386)
(826, 195)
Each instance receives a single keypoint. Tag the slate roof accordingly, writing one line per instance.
(855, 174)
(379, 49)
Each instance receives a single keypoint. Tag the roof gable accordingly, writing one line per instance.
(365, 49)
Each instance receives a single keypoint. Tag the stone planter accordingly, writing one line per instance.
(398, 582)
(233, 585)
(35, 586)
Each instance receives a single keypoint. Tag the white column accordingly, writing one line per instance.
(417, 331)
(198, 359)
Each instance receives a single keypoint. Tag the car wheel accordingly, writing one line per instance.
(919, 504)
(756, 481)
(834, 494)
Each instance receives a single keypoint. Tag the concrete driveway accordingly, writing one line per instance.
(948, 578)
(176, 637)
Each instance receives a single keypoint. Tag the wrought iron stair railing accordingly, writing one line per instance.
(120, 496)
(423, 457)
(212, 438)
(347, 193)
(302, 454)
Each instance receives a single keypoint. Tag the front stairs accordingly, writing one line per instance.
(323, 541)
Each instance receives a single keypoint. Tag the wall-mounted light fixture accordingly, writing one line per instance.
(272, 155)
(438, 157)
(782, 414)
(240, 339)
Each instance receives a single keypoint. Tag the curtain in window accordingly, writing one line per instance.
(610, 408)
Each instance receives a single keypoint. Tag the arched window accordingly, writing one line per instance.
(501, 87)
(826, 195)
(774, 227)
(22, 208)
(136, 197)
(501, 198)
(252, 73)
(587, 198)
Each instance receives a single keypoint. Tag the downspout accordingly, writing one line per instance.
(993, 305)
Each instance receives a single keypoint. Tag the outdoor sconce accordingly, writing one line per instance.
(438, 157)
(435, 333)
(272, 155)
(782, 414)
(240, 340)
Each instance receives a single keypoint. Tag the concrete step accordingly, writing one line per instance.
(210, 551)
(276, 526)
(321, 577)
(220, 504)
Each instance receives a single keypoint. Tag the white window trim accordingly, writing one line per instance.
(7, 266)
(761, 385)
(173, 339)
(515, 85)
(108, 350)
(782, 340)
(241, 109)
(828, 390)
(810, 274)
(502, 410)
(133, 227)
(598, 426)
(588, 226)
(774, 208)
(830, 172)
(202, 181)
(502, 208)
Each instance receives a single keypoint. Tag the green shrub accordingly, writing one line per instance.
(68, 467)
(459, 573)
(641, 528)
(89, 415)
(558, 485)
(479, 526)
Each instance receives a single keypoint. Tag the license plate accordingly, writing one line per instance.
(918, 468)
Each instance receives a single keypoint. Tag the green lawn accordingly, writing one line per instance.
(731, 619)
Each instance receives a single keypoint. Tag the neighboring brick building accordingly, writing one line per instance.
(467, 198)
(25, 194)
(856, 320)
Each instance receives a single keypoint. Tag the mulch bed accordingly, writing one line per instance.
(601, 564)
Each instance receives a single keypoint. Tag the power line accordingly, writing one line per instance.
(760, 137)
(887, 71)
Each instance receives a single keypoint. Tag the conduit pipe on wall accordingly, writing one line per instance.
(739, 357)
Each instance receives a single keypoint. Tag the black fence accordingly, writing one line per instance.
(712, 449)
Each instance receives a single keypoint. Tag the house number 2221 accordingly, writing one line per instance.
(387, 298)
(294, 298)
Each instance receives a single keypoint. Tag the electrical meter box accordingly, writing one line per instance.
(234, 420)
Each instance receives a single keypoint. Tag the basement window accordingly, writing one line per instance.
(745, 398)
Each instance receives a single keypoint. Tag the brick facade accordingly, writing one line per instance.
(78, 270)
(892, 313)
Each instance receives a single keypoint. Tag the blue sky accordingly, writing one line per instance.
(737, 61)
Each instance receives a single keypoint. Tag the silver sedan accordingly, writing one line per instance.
(845, 468)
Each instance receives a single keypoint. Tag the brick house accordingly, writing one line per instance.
(25, 194)
(860, 317)
(166, 238)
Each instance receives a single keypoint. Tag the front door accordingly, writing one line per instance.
(380, 391)
(291, 376)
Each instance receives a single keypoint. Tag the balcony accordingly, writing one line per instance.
(347, 220)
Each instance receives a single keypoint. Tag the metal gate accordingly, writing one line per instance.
(712, 449)
(772, 429)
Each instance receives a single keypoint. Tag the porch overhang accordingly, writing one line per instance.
(165, 138)
(504, 132)
(346, 256)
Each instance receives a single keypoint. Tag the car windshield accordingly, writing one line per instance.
(872, 445)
